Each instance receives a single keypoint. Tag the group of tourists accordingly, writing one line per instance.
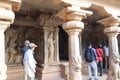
(94, 58)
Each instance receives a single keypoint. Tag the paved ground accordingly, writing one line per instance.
(17, 73)
(20, 76)
(85, 77)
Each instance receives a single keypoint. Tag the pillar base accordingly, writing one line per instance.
(51, 72)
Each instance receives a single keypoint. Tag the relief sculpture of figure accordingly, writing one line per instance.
(76, 63)
(114, 72)
(50, 47)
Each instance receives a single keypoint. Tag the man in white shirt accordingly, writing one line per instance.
(30, 63)
(106, 54)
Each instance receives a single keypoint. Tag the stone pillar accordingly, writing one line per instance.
(51, 39)
(6, 18)
(80, 42)
(73, 15)
(45, 46)
(73, 30)
(51, 56)
(114, 58)
(3, 67)
(112, 30)
(56, 44)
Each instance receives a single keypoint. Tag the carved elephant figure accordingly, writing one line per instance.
(114, 71)
(76, 63)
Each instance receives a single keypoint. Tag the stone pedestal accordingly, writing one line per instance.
(51, 72)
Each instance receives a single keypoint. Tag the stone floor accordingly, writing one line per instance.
(85, 77)
(17, 73)
(20, 76)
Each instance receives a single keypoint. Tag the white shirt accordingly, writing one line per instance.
(29, 63)
(106, 50)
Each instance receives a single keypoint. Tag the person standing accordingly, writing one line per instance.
(90, 57)
(106, 52)
(29, 62)
(24, 49)
(100, 56)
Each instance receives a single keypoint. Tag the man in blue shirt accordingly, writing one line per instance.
(25, 48)
(92, 64)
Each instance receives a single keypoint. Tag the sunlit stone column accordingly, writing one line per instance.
(73, 15)
(112, 30)
(114, 58)
(73, 28)
(6, 18)
(3, 67)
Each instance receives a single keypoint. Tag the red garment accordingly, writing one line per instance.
(100, 54)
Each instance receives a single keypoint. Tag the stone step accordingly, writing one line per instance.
(14, 68)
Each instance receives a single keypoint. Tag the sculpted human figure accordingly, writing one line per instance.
(50, 46)
(114, 72)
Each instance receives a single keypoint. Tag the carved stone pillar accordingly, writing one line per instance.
(3, 67)
(45, 46)
(50, 65)
(114, 58)
(73, 30)
(73, 15)
(6, 18)
(49, 48)
(56, 44)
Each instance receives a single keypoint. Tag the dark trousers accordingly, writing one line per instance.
(106, 62)
(100, 67)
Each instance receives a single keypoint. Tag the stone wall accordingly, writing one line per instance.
(28, 26)
(14, 40)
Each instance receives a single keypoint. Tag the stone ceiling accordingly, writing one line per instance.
(99, 12)
(39, 5)
(48, 4)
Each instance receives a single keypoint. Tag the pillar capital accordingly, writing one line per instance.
(10, 4)
(110, 21)
(7, 15)
(6, 7)
(48, 28)
(4, 25)
(16, 4)
(56, 28)
(73, 27)
(73, 13)
(112, 31)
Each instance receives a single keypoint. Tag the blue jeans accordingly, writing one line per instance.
(92, 65)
